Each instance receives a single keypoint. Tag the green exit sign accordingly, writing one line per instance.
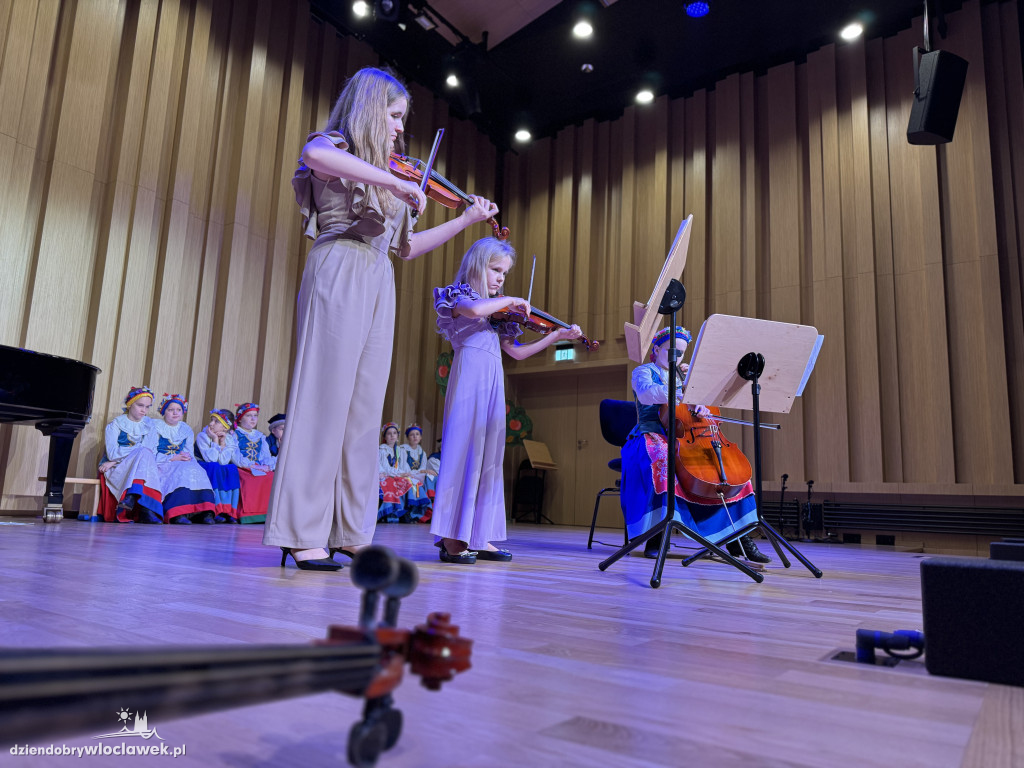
(564, 353)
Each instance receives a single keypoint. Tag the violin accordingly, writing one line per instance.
(539, 322)
(707, 464)
(438, 188)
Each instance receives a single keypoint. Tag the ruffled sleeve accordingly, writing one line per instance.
(302, 183)
(402, 240)
(507, 329)
(445, 300)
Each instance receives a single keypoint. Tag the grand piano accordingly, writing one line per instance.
(54, 394)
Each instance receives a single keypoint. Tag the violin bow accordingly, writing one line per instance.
(529, 296)
(430, 165)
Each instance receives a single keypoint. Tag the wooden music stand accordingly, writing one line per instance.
(646, 317)
(721, 365)
(540, 462)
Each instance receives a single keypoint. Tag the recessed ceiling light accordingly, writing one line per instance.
(587, 68)
(645, 97)
(851, 31)
(523, 135)
(698, 9)
(583, 29)
(360, 8)
(452, 81)
(425, 21)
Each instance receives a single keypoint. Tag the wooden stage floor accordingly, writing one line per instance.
(571, 666)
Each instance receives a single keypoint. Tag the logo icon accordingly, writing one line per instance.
(140, 727)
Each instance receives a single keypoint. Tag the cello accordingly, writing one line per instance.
(706, 463)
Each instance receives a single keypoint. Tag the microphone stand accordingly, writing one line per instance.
(782, 503)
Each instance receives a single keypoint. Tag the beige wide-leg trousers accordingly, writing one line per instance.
(326, 488)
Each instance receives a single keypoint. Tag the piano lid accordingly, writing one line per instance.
(35, 386)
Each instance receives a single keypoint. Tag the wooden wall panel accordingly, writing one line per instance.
(148, 226)
(148, 223)
(976, 348)
(1006, 112)
(919, 285)
(811, 207)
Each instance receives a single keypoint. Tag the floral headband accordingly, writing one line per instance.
(224, 416)
(413, 428)
(663, 335)
(386, 427)
(168, 399)
(243, 408)
(135, 394)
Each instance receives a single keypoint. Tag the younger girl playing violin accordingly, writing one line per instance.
(645, 458)
(469, 505)
(325, 488)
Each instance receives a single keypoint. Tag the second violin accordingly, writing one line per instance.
(540, 322)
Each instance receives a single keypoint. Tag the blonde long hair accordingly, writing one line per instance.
(359, 115)
(473, 269)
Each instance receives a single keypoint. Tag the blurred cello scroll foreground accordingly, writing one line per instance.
(65, 691)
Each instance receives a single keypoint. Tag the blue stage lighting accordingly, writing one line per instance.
(696, 10)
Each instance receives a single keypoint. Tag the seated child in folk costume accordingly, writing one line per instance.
(215, 450)
(413, 461)
(394, 485)
(129, 467)
(645, 455)
(433, 468)
(276, 433)
(255, 464)
(188, 495)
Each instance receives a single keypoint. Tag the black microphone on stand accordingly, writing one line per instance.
(782, 502)
(807, 512)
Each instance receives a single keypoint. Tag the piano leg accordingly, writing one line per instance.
(62, 440)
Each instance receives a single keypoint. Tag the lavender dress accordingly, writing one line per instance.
(469, 504)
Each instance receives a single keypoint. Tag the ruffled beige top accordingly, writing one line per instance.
(341, 208)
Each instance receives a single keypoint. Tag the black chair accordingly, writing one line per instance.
(618, 417)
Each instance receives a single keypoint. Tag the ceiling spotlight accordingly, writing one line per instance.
(523, 135)
(851, 31)
(698, 9)
(583, 29)
(645, 96)
(452, 80)
(386, 10)
(587, 68)
(360, 8)
(401, 25)
(425, 21)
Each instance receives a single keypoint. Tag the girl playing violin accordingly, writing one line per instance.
(645, 458)
(469, 504)
(325, 488)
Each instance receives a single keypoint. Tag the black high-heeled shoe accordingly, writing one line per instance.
(323, 564)
(465, 557)
(342, 551)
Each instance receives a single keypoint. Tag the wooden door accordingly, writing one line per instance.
(564, 411)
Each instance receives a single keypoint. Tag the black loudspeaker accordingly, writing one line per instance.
(939, 86)
(1006, 550)
(972, 618)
